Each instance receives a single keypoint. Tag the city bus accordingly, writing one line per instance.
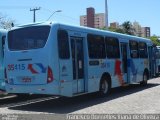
(157, 60)
(66, 60)
(2, 42)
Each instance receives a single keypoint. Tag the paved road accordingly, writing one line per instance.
(131, 99)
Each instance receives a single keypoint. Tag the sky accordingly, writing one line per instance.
(143, 11)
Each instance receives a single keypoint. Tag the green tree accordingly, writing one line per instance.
(155, 40)
(127, 28)
(6, 23)
(118, 30)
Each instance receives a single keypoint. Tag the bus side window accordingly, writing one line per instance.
(63, 44)
(96, 46)
(134, 49)
(143, 50)
(112, 47)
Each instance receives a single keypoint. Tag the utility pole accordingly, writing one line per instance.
(34, 13)
(106, 13)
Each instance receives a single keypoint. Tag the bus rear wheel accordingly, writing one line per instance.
(23, 96)
(145, 79)
(105, 87)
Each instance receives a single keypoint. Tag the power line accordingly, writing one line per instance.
(34, 13)
(14, 7)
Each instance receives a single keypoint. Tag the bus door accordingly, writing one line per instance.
(77, 64)
(124, 54)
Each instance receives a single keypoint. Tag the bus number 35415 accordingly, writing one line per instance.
(12, 67)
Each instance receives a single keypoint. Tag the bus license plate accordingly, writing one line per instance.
(26, 79)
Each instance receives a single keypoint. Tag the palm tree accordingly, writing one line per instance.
(127, 28)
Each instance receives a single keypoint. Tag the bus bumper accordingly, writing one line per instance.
(48, 89)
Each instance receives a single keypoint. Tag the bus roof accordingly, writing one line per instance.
(31, 24)
(97, 31)
(84, 29)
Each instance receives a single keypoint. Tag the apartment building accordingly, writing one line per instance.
(92, 19)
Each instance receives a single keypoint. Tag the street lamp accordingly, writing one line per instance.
(54, 13)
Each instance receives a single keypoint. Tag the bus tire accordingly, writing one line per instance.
(157, 74)
(23, 96)
(105, 87)
(145, 79)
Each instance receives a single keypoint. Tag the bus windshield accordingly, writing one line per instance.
(28, 38)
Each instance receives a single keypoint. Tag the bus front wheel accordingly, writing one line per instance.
(105, 87)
